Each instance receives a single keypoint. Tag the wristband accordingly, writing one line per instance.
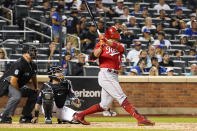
(36, 113)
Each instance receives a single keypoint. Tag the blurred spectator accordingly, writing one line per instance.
(166, 62)
(178, 54)
(193, 70)
(56, 22)
(160, 27)
(143, 55)
(151, 53)
(61, 2)
(76, 4)
(153, 71)
(29, 3)
(100, 7)
(82, 7)
(136, 9)
(179, 4)
(64, 63)
(77, 69)
(147, 35)
(126, 36)
(170, 71)
(192, 18)
(73, 28)
(133, 72)
(192, 31)
(132, 22)
(155, 63)
(52, 50)
(100, 25)
(161, 40)
(68, 49)
(161, 5)
(194, 45)
(158, 52)
(125, 14)
(148, 24)
(46, 8)
(192, 52)
(112, 13)
(184, 41)
(3, 55)
(162, 16)
(140, 67)
(133, 55)
(88, 39)
(144, 12)
(122, 71)
(83, 24)
(178, 20)
(119, 7)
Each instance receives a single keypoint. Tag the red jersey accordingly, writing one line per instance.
(110, 57)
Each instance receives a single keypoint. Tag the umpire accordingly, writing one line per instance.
(12, 83)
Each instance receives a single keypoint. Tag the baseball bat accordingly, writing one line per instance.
(92, 17)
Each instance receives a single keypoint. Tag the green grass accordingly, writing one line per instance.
(77, 129)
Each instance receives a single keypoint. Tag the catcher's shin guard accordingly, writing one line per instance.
(48, 104)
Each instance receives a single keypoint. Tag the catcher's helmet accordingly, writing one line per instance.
(112, 33)
(55, 72)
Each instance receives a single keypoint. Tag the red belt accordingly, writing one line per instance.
(112, 71)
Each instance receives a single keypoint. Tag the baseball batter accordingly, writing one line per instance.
(52, 98)
(109, 54)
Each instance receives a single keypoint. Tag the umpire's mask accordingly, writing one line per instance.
(31, 50)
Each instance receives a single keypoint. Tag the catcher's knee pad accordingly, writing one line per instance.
(47, 101)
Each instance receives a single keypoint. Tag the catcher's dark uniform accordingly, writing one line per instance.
(52, 98)
(24, 71)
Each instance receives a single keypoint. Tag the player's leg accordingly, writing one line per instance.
(106, 99)
(8, 111)
(66, 114)
(47, 103)
(29, 106)
(112, 86)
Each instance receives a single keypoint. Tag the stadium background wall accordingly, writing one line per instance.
(151, 95)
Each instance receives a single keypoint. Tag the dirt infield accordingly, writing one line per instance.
(131, 125)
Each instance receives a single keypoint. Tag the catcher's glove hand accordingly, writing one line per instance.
(75, 102)
(34, 120)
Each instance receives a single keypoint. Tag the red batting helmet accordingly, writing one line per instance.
(112, 33)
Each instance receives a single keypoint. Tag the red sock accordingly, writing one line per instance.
(91, 110)
(131, 109)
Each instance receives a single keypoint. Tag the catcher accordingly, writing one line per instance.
(52, 99)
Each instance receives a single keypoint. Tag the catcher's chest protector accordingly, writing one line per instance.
(60, 91)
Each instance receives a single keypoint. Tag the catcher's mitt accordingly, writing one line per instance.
(75, 102)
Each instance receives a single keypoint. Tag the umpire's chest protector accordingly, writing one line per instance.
(60, 91)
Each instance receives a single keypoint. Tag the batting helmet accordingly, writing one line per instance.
(112, 33)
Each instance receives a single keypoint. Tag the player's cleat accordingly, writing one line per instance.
(5, 120)
(145, 122)
(48, 121)
(109, 113)
(25, 119)
(80, 119)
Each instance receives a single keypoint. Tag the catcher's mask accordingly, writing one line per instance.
(55, 73)
(31, 50)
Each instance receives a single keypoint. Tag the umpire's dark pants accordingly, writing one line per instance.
(15, 97)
